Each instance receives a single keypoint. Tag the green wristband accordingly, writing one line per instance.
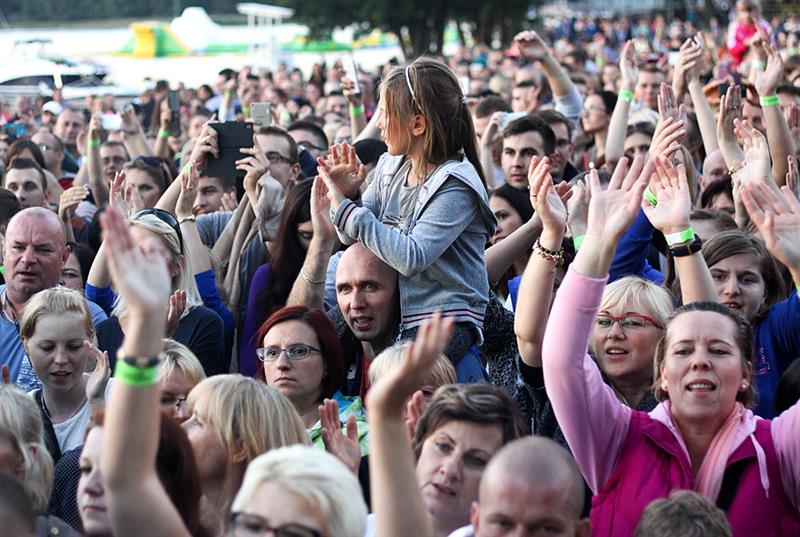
(186, 168)
(578, 241)
(246, 111)
(650, 197)
(93, 143)
(135, 376)
(163, 133)
(681, 237)
(769, 100)
(626, 95)
(357, 110)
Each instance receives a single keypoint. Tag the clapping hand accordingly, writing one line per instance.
(344, 448)
(544, 198)
(320, 212)
(627, 66)
(343, 171)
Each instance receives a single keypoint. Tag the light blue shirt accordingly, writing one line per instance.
(13, 353)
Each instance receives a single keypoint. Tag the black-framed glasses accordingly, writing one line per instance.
(298, 351)
(173, 401)
(166, 217)
(276, 158)
(250, 525)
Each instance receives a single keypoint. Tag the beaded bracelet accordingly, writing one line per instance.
(549, 255)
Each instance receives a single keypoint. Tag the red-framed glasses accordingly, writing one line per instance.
(629, 320)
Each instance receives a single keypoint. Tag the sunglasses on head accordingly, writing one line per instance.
(166, 217)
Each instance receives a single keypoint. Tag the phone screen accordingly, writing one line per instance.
(350, 72)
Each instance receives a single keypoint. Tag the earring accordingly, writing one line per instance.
(744, 386)
(663, 386)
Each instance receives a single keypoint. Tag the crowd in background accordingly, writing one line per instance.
(549, 288)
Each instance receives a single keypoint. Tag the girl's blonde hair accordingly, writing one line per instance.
(442, 372)
(177, 356)
(317, 477)
(185, 279)
(56, 301)
(21, 424)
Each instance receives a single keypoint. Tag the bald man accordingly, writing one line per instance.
(531, 487)
(34, 254)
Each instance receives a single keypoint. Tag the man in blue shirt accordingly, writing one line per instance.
(34, 254)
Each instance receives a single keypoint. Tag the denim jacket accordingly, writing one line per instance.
(440, 257)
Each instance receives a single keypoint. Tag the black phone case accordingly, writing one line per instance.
(231, 137)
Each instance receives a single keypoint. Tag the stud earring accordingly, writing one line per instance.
(663, 386)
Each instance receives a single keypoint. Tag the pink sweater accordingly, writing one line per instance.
(593, 420)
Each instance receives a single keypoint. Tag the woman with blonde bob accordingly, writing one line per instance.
(298, 490)
(188, 321)
(233, 420)
(391, 358)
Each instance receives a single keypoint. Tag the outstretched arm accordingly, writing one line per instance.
(615, 143)
(396, 498)
(536, 287)
(137, 501)
(781, 143)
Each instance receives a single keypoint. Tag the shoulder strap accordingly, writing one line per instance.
(50, 438)
(730, 482)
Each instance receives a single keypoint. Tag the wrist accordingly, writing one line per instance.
(163, 132)
(551, 239)
(681, 234)
(626, 95)
(93, 142)
(144, 331)
(769, 99)
(356, 109)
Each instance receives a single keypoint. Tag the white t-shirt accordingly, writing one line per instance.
(70, 433)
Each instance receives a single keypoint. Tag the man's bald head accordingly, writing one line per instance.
(532, 481)
(714, 169)
(34, 253)
(366, 289)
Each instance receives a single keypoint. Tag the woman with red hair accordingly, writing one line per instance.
(301, 357)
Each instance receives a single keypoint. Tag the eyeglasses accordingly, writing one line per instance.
(153, 162)
(276, 158)
(248, 525)
(293, 352)
(630, 320)
(166, 217)
(172, 401)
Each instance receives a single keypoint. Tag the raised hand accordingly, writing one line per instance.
(130, 125)
(116, 197)
(254, 166)
(578, 209)
(493, 133)
(544, 198)
(793, 175)
(185, 203)
(666, 138)
(320, 212)
(96, 385)
(669, 184)
(229, 201)
(177, 305)
(390, 394)
(133, 200)
(344, 448)
(206, 144)
(349, 91)
(792, 115)
(70, 199)
(757, 162)
(628, 67)
(730, 108)
(613, 210)
(531, 46)
(777, 218)
(767, 80)
(139, 272)
(344, 169)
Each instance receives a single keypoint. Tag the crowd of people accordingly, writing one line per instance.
(548, 289)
